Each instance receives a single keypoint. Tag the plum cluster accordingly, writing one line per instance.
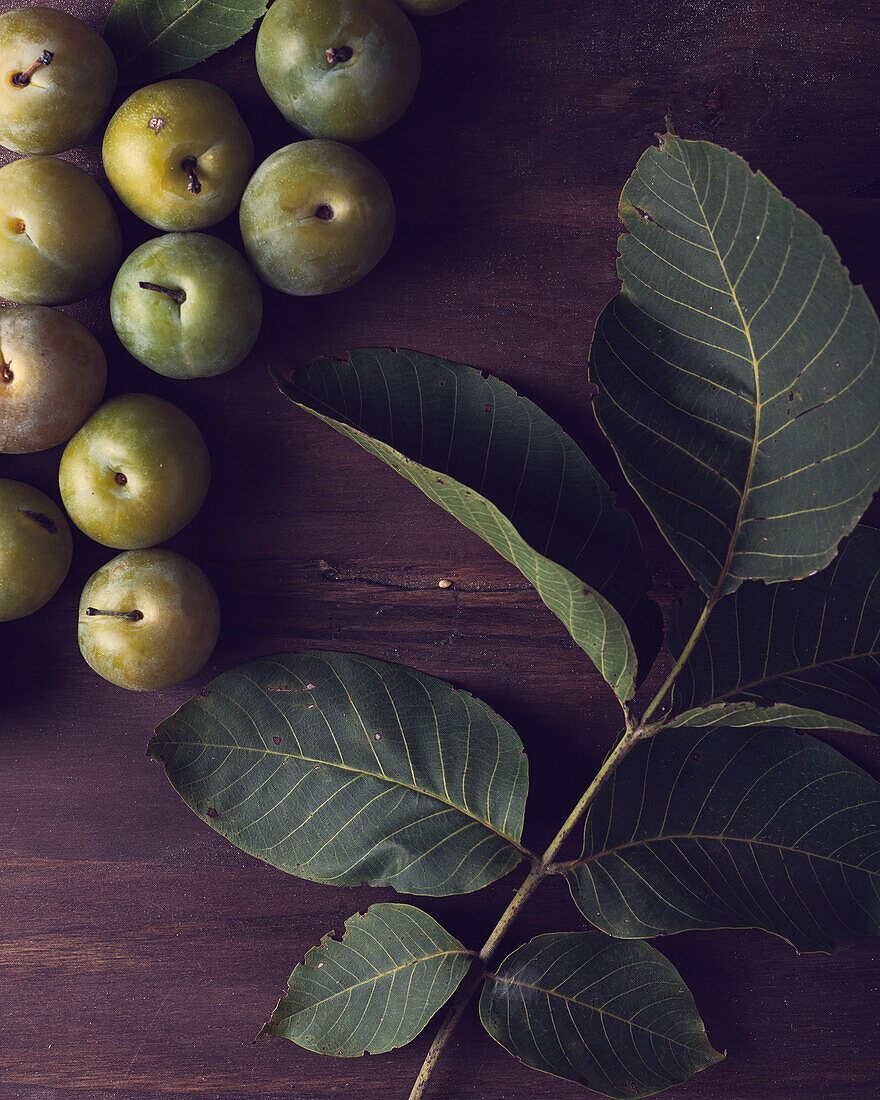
(316, 216)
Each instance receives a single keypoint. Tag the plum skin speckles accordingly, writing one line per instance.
(178, 628)
(146, 162)
(210, 324)
(64, 101)
(52, 376)
(135, 473)
(59, 235)
(292, 244)
(36, 549)
(340, 69)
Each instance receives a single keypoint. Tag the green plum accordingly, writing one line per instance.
(429, 7)
(148, 619)
(35, 549)
(135, 473)
(187, 305)
(178, 154)
(52, 376)
(56, 80)
(343, 69)
(59, 235)
(316, 217)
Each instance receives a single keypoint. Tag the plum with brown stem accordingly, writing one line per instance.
(35, 549)
(56, 80)
(148, 619)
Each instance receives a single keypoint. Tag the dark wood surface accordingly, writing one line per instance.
(140, 952)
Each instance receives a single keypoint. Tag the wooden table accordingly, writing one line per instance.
(141, 952)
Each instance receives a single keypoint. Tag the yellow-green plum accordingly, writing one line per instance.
(316, 217)
(343, 69)
(56, 80)
(52, 376)
(59, 235)
(35, 549)
(178, 154)
(429, 7)
(187, 305)
(148, 619)
(135, 473)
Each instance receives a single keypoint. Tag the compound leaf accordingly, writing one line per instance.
(737, 369)
(732, 828)
(342, 769)
(152, 39)
(804, 653)
(373, 990)
(611, 1015)
(510, 474)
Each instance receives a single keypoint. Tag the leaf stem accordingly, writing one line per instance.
(678, 666)
(634, 732)
(544, 866)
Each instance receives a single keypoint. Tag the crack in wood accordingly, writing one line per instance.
(398, 581)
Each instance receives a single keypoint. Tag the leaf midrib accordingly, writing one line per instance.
(585, 860)
(466, 811)
(782, 675)
(150, 43)
(626, 674)
(378, 976)
(591, 1008)
(737, 525)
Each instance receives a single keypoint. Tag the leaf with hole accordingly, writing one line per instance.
(510, 474)
(733, 828)
(374, 989)
(342, 769)
(738, 376)
(151, 40)
(803, 653)
(611, 1015)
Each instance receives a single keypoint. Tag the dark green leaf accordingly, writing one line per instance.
(340, 769)
(152, 40)
(737, 370)
(613, 1016)
(802, 654)
(509, 473)
(731, 828)
(373, 990)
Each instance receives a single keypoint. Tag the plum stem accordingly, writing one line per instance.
(339, 53)
(132, 616)
(6, 374)
(195, 184)
(324, 213)
(21, 80)
(176, 294)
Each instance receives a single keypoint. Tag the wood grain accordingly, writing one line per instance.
(141, 953)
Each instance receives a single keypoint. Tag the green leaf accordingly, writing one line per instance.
(509, 473)
(151, 40)
(373, 990)
(731, 828)
(737, 370)
(806, 653)
(613, 1016)
(342, 769)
